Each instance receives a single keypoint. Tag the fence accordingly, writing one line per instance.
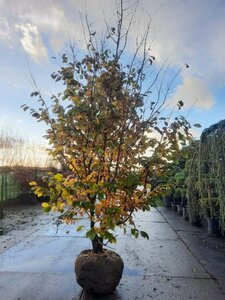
(9, 188)
(15, 181)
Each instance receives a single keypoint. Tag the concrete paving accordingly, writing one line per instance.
(177, 262)
(209, 250)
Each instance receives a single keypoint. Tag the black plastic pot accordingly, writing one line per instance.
(179, 209)
(167, 201)
(185, 213)
(173, 206)
(213, 226)
(196, 220)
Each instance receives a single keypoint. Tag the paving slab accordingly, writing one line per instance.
(155, 230)
(164, 258)
(165, 288)
(151, 216)
(176, 221)
(38, 286)
(43, 254)
(208, 250)
(62, 229)
(6, 242)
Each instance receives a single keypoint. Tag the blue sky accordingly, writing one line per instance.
(186, 31)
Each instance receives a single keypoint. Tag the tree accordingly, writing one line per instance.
(104, 126)
(192, 183)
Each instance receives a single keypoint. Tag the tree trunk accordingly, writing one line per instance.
(97, 244)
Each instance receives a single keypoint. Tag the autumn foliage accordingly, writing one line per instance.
(112, 137)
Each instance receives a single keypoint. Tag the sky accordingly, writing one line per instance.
(184, 31)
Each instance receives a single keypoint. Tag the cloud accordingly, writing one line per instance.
(190, 31)
(196, 133)
(4, 30)
(193, 92)
(25, 22)
(19, 121)
(32, 42)
(187, 31)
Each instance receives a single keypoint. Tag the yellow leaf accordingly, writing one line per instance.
(61, 205)
(58, 177)
(70, 201)
(89, 176)
(136, 199)
(32, 183)
(148, 186)
(54, 208)
(79, 228)
(45, 205)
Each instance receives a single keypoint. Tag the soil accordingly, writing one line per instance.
(98, 273)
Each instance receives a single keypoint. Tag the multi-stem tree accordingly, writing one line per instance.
(106, 128)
